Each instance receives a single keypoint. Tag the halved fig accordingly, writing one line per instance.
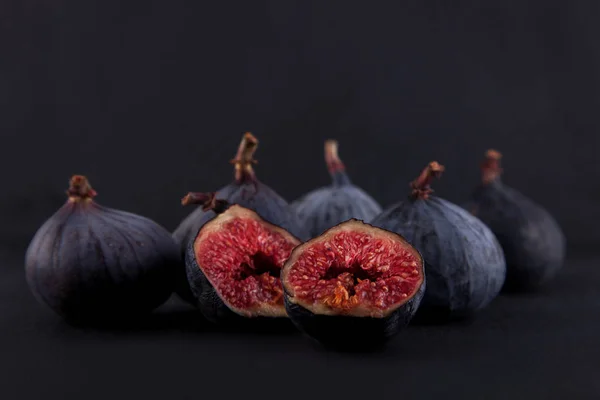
(355, 285)
(234, 263)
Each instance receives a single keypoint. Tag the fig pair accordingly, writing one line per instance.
(354, 284)
(499, 240)
(242, 262)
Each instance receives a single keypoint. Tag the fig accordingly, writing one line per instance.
(325, 207)
(465, 265)
(353, 287)
(234, 263)
(88, 262)
(533, 242)
(247, 191)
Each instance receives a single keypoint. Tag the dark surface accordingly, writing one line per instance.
(150, 98)
(542, 346)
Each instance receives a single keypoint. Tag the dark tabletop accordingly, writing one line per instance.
(538, 346)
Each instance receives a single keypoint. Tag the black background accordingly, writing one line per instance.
(149, 99)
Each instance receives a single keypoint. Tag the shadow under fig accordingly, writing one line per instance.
(157, 321)
(349, 348)
(435, 317)
(184, 320)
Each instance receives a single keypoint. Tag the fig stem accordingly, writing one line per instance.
(208, 201)
(80, 188)
(421, 186)
(490, 167)
(245, 158)
(332, 159)
(335, 166)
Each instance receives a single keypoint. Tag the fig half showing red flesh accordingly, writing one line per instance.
(355, 285)
(234, 263)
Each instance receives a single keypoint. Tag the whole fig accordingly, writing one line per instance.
(93, 263)
(533, 242)
(464, 264)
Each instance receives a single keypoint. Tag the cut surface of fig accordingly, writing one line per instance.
(238, 257)
(353, 281)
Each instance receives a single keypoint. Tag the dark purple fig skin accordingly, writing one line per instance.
(328, 206)
(206, 298)
(248, 192)
(90, 263)
(464, 263)
(533, 243)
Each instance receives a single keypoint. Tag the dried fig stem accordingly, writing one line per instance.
(332, 159)
(421, 186)
(245, 158)
(208, 201)
(80, 188)
(490, 167)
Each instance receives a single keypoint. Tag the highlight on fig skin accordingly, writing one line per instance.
(340, 201)
(532, 240)
(234, 262)
(355, 286)
(247, 191)
(91, 263)
(465, 266)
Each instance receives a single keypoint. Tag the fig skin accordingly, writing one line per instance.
(465, 265)
(346, 332)
(533, 242)
(91, 263)
(247, 191)
(206, 297)
(328, 206)
(365, 333)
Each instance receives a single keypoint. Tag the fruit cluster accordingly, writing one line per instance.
(344, 270)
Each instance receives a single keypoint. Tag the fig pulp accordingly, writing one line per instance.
(247, 191)
(325, 207)
(533, 243)
(355, 286)
(90, 262)
(234, 262)
(465, 266)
